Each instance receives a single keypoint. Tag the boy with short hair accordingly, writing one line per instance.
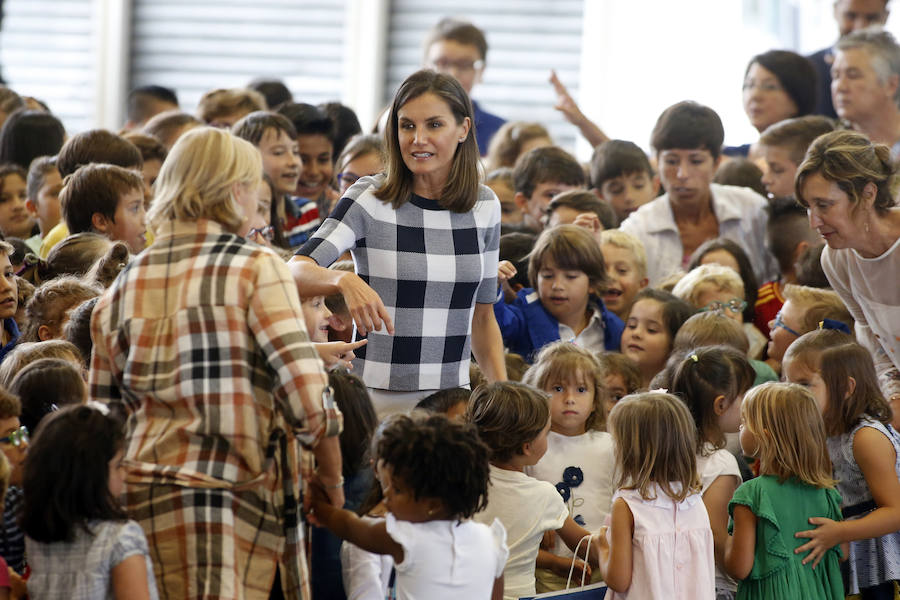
(106, 199)
(538, 176)
(42, 188)
(567, 207)
(789, 237)
(622, 176)
(147, 101)
(783, 146)
(459, 48)
(626, 270)
(315, 140)
(93, 146)
(276, 138)
(223, 108)
(566, 271)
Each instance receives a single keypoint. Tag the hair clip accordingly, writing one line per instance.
(834, 324)
(694, 358)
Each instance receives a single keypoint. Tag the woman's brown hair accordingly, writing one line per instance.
(461, 188)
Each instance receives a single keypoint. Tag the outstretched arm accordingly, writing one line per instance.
(567, 106)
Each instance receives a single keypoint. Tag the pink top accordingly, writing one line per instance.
(4, 573)
(673, 548)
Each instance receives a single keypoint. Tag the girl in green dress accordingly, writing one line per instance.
(781, 425)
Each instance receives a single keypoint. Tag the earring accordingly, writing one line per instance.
(461, 140)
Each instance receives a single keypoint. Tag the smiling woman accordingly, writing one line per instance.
(425, 237)
(847, 185)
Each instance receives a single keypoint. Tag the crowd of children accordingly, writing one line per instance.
(696, 424)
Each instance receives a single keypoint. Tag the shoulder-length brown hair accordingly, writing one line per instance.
(655, 440)
(461, 189)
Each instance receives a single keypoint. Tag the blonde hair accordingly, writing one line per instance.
(558, 362)
(222, 102)
(626, 241)
(817, 304)
(655, 439)
(784, 418)
(722, 278)
(52, 300)
(710, 328)
(25, 353)
(196, 179)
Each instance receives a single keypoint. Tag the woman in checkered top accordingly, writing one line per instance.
(424, 238)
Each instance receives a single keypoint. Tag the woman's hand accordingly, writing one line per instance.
(821, 539)
(364, 304)
(338, 354)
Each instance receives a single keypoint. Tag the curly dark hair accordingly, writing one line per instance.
(438, 458)
(66, 476)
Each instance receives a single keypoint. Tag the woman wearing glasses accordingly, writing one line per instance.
(848, 186)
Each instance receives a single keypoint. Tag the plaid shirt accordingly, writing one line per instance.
(429, 266)
(203, 342)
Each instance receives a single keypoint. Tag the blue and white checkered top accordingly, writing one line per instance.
(429, 266)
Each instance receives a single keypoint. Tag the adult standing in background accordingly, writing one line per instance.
(425, 236)
(458, 48)
(847, 185)
(850, 15)
(201, 341)
(866, 85)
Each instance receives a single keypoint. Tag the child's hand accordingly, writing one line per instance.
(562, 565)
(17, 586)
(821, 539)
(564, 102)
(505, 271)
(319, 503)
(338, 354)
(589, 221)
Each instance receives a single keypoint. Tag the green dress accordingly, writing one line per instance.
(781, 510)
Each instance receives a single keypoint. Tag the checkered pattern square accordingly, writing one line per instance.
(429, 266)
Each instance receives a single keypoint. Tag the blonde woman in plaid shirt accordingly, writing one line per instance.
(201, 341)
(425, 242)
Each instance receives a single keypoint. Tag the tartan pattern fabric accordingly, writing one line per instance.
(202, 340)
(429, 266)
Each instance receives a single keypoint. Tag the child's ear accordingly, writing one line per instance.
(521, 200)
(643, 283)
(44, 333)
(851, 386)
(31, 207)
(720, 405)
(100, 223)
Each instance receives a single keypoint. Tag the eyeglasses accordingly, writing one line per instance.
(735, 305)
(462, 66)
(267, 232)
(780, 323)
(763, 86)
(17, 437)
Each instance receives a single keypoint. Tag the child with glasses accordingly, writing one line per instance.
(804, 308)
(14, 444)
(713, 287)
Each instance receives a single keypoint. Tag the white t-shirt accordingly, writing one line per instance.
(582, 469)
(366, 575)
(527, 508)
(715, 464)
(448, 559)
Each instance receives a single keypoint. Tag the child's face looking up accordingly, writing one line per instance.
(316, 315)
(627, 193)
(315, 176)
(625, 280)
(646, 338)
(564, 293)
